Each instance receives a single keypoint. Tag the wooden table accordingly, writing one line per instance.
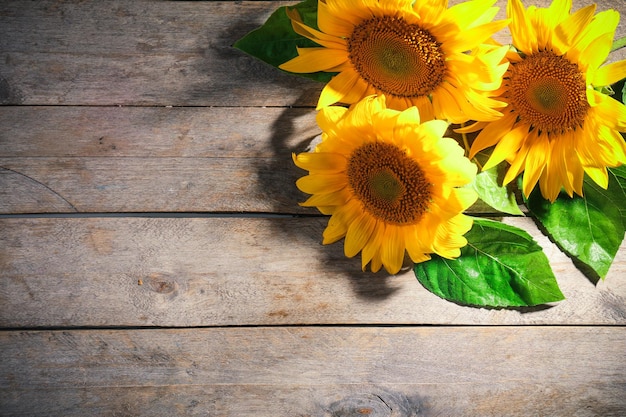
(154, 259)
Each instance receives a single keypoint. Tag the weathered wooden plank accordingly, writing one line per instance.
(133, 159)
(99, 159)
(138, 52)
(154, 132)
(240, 271)
(316, 371)
(149, 53)
(39, 185)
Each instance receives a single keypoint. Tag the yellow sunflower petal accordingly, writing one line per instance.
(483, 72)
(517, 165)
(447, 242)
(314, 59)
(328, 117)
(556, 173)
(550, 189)
(392, 250)
(469, 39)
(610, 111)
(558, 169)
(508, 145)
(491, 134)
(359, 90)
(337, 198)
(538, 153)
(545, 20)
(480, 107)
(337, 16)
(321, 38)
(596, 53)
(340, 220)
(377, 261)
(543, 30)
(446, 106)
(472, 127)
(470, 11)
(574, 170)
(599, 175)
(408, 118)
(425, 107)
(559, 11)
(430, 10)
(389, 7)
(465, 197)
(338, 88)
(359, 233)
(372, 247)
(522, 31)
(569, 30)
(417, 250)
(361, 114)
(318, 183)
(331, 23)
(610, 74)
(615, 142)
(458, 18)
(459, 170)
(432, 129)
(602, 23)
(320, 162)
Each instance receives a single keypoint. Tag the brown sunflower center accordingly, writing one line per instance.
(548, 92)
(390, 185)
(396, 57)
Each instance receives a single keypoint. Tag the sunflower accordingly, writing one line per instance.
(390, 183)
(413, 52)
(557, 125)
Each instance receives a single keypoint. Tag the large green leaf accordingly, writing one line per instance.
(489, 189)
(589, 229)
(501, 266)
(620, 175)
(275, 42)
(615, 192)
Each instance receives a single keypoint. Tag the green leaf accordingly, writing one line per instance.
(620, 174)
(501, 266)
(487, 186)
(589, 229)
(615, 191)
(275, 42)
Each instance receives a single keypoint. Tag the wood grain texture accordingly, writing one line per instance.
(57, 159)
(115, 107)
(241, 271)
(139, 53)
(99, 159)
(318, 371)
(149, 53)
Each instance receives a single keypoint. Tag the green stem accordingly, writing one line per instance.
(478, 164)
(465, 141)
(467, 148)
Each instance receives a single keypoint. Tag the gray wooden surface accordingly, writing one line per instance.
(154, 259)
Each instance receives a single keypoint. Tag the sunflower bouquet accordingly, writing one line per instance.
(423, 113)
